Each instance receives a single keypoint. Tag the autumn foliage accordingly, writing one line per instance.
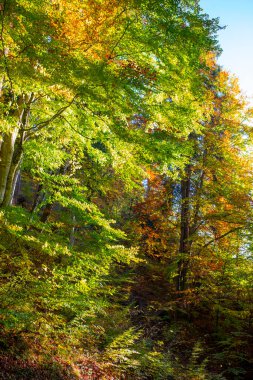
(125, 194)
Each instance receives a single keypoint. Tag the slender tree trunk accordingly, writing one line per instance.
(6, 158)
(46, 212)
(38, 198)
(12, 176)
(16, 188)
(185, 245)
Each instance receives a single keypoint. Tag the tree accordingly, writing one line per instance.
(60, 62)
(195, 228)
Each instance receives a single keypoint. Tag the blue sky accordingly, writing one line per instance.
(237, 39)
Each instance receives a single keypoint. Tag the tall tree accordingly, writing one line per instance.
(99, 62)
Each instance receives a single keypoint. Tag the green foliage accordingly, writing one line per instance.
(121, 351)
(108, 108)
(46, 284)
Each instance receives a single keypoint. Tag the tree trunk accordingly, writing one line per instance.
(17, 187)
(12, 149)
(46, 212)
(38, 198)
(12, 176)
(6, 160)
(185, 245)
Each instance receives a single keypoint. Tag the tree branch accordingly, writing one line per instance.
(220, 237)
(119, 40)
(74, 129)
(45, 123)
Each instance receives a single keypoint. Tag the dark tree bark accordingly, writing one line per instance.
(184, 245)
(38, 198)
(46, 212)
